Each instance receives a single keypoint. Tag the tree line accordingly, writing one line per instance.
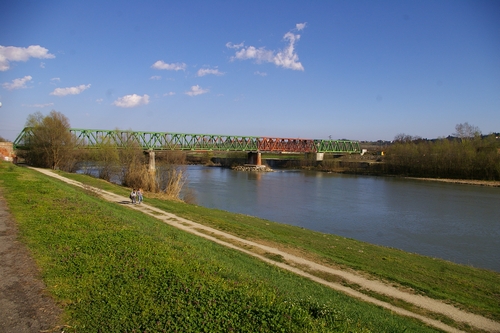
(465, 155)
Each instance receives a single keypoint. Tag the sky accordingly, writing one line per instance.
(357, 70)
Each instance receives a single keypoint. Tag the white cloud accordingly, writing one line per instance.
(13, 53)
(300, 26)
(171, 67)
(286, 58)
(171, 93)
(42, 65)
(17, 83)
(230, 45)
(99, 100)
(260, 73)
(70, 90)
(155, 77)
(130, 101)
(196, 90)
(259, 54)
(55, 79)
(39, 105)
(207, 71)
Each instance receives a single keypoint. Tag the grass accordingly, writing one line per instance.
(473, 289)
(113, 269)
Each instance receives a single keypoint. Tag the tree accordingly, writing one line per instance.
(52, 144)
(405, 138)
(466, 131)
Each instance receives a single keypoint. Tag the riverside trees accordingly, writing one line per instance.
(466, 155)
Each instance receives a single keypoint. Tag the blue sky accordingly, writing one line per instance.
(360, 70)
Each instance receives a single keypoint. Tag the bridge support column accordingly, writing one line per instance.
(317, 156)
(255, 158)
(152, 166)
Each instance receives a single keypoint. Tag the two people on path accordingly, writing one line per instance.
(136, 196)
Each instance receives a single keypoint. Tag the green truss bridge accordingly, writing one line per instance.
(157, 141)
(160, 141)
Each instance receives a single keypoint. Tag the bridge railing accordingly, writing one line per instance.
(93, 138)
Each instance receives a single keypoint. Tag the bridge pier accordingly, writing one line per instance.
(152, 165)
(317, 156)
(254, 158)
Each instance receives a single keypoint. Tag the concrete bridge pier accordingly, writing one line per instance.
(254, 158)
(317, 156)
(151, 166)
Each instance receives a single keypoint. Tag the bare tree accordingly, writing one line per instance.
(466, 131)
(403, 138)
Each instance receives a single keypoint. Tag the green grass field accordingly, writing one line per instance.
(114, 269)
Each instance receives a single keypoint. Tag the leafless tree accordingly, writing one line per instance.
(466, 131)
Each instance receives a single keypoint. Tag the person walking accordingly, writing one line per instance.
(139, 195)
(133, 196)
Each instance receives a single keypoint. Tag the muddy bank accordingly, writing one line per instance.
(491, 183)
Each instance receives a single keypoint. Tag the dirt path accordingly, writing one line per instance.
(303, 266)
(25, 306)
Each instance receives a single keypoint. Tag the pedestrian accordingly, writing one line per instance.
(133, 196)
(139, 195)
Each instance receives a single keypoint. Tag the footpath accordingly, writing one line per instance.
(25, 307)
(304, 267)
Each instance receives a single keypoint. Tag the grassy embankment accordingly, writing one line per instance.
(117, 270)
(476, 290)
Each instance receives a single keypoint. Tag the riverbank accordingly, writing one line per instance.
(489, 183)
(346, 253)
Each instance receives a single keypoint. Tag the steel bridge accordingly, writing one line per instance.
(158, 141)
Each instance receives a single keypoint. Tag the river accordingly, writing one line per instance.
(459, 223)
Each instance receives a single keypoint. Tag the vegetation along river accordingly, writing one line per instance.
(459, 223)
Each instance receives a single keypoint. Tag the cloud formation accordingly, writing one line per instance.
(230, 45)
(207, 71)
(17, 83)
(70, 90)
(130, 101)
(13, 53)
(286, 58)
(196, 90)
(160, 64)
(300, 26)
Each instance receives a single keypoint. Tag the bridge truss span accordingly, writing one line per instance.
(158, 141)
